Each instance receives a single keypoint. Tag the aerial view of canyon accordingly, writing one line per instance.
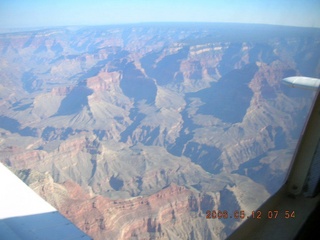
(162, 120)
(137, 131)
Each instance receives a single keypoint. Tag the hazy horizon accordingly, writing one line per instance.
(48, 13)
(76, 27)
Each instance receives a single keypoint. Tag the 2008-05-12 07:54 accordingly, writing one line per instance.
(240, 214)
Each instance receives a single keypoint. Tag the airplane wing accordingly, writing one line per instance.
(302, 82)
(25, 215)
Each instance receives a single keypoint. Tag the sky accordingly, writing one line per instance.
(47, 13)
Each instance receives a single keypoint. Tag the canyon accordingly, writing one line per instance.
(137, 131)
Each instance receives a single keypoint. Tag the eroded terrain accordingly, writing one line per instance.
(135, 131)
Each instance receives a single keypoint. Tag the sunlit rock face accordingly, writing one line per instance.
(137, 131)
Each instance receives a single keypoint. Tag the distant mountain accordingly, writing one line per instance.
(140, 131)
